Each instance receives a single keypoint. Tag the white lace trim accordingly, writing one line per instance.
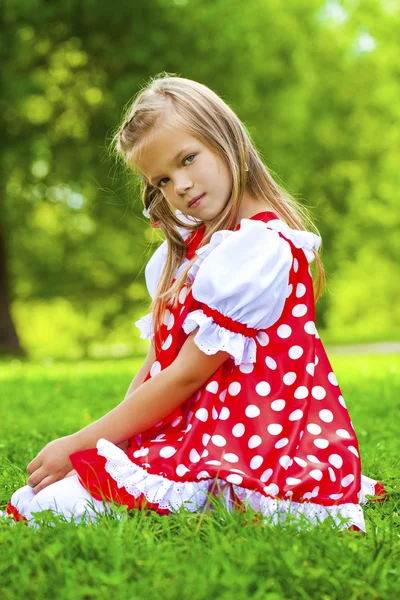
(306, 240)
(172, 495)
(211, 338)
(145, 325)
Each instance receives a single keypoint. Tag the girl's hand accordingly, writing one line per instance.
(51, 464)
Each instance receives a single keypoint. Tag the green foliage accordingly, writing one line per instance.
(315, 83)
(191, 555)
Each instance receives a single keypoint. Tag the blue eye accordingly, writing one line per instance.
(184, 160)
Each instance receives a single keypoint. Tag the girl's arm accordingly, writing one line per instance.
(148, 404)
(155, 399)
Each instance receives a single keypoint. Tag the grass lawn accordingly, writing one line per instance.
(185, 555)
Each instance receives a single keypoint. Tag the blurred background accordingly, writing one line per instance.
(317, 84)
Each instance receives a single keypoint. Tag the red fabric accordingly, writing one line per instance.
(227, 322)
(90, 468)
(11, 510)
(379, 491)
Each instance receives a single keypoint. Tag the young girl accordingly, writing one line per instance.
(237, 389)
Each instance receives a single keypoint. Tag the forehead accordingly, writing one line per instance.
(158, 149)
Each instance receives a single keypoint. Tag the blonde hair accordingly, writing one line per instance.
(204, 115)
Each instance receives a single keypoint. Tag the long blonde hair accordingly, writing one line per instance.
(207, 117)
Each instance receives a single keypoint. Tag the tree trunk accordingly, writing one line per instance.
(9, 341)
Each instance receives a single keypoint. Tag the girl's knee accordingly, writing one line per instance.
(22, 498)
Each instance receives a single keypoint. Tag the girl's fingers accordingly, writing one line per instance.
(43, 484)
(34, 465)
(36, 477)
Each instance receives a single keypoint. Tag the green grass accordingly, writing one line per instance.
(185, 555)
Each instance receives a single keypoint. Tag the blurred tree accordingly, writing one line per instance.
(315, 82)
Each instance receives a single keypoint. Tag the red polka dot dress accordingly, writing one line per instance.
(270, 425)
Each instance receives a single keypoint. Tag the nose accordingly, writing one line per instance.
(182, 184)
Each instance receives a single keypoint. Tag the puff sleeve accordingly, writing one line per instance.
(241, 279)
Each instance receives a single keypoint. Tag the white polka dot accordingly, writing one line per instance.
(205, 439)
(295, 265)
(234, 388)
(309, 327)
(296, 415)
(202, 414)
(176, 421)
(204, 453)
(326, 415)
(332, 378)
(237, 471)
(313, 458)
(285, 461)
(214, 413)
(169, 320)
(218, 440)
(203, 475)
(318, 392)
(346, 481)
(274, 428)
(353, 450)
(181, 470)
(301, 392)
(234, 478)
(310, 368)
(224, 414)
(321, 443)
(271, 364)
(282, 443)
(230, 457)
(335, 496)
(295, 352)
(271, 489)
(194, 456)
(222, 395)
(238, 430)
(289, 290)
(212, 387)
(262, 338)
(342, 402)
(300, 290)
(252, 411)
(256, 462)
(336, 460)
(263, 388)
(342, 433)
(289, 378)
(278, 405)
(246, 368)
(292, 481)
(167, 451)
(300, 461)
(141, 452)
(216, 463)
(314, 428)
(266, 475)
(167, 342)
(254, 441)
(316, 474)
(155, 368)
(332, 474)
(316, 360)
(284, 331)
(299, 310)
(182, 294)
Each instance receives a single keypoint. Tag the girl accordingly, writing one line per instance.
(237, 388)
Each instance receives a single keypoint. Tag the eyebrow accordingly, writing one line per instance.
(153, 179)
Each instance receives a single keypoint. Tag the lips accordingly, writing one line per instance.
(195, 200)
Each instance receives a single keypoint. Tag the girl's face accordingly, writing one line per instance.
(183, 168)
